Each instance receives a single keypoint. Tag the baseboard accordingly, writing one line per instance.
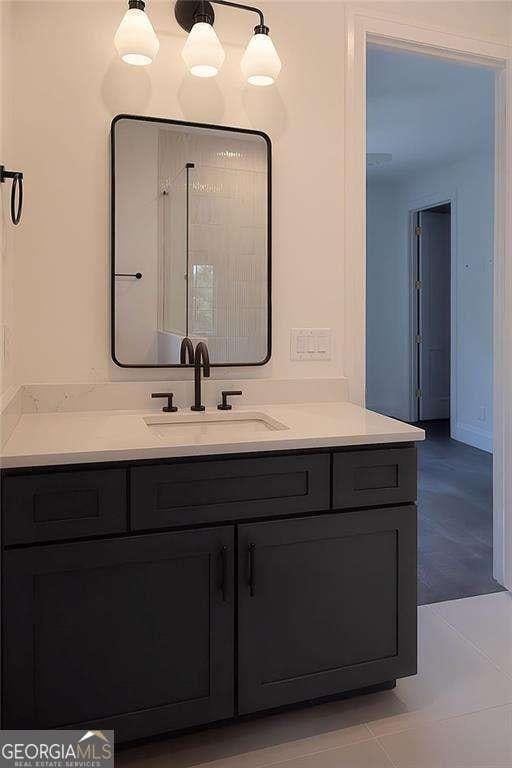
(478, 438)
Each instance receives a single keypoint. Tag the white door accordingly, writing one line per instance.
(434, 315)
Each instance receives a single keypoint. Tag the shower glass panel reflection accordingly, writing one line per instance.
(174, 252)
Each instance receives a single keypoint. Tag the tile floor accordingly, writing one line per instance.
(456, 713)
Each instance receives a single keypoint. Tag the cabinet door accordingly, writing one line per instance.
(134, 634)
(326, 605)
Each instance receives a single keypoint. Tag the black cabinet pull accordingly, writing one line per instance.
(223, 586)
(252, 575)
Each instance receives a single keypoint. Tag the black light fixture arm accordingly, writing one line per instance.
(188, 13)
(241, 7)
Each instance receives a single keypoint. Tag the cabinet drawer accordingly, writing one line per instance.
(199, 492)
(373, 477)
(64, 505)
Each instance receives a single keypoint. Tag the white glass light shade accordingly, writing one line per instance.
(260, 63)
(135, 39)
(202, 53)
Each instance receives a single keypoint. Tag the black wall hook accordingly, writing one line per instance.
(16, 192)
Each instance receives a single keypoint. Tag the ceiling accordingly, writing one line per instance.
(424, 111)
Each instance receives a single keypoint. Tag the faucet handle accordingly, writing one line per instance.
(169, 408)
(225, 394)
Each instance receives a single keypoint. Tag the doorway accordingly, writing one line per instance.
(364, 28)
(429, 297)
(432, 316)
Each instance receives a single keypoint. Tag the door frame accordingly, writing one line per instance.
(415, 207)
(364, 27)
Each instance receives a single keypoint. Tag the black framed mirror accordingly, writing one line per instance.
(190, 242)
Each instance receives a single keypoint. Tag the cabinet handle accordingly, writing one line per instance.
(252, 574)
(224, 572)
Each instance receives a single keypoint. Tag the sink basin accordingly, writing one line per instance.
(224, 427)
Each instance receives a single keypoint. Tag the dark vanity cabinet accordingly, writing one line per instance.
(155, 596)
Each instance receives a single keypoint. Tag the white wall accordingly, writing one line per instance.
(471, 182)
(7, 263)
(387, 309)
(68, 83)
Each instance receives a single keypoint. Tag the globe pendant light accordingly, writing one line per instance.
(260, 63)
(202, 53)
(135, 39)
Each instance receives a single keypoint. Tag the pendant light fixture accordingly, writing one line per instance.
(137, 43)
(260, 63)
(135, 39)
(203, 53)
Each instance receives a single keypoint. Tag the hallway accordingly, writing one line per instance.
(455, 518)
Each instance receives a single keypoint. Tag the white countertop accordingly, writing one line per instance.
(46, 439)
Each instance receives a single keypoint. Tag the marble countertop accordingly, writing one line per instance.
(45, 439)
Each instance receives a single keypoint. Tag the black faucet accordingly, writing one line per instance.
(186, 350)
(201, 360)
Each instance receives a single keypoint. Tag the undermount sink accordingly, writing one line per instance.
(211, 426)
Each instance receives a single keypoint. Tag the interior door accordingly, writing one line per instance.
(434, 264)
(133, 634)
(326, 604)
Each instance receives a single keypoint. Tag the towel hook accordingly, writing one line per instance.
(16, 192)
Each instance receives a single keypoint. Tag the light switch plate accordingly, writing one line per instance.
(310, 343)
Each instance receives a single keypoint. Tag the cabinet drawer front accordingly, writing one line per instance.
(183, 494)
(326, 604)
(373, 477)
(62, 505)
